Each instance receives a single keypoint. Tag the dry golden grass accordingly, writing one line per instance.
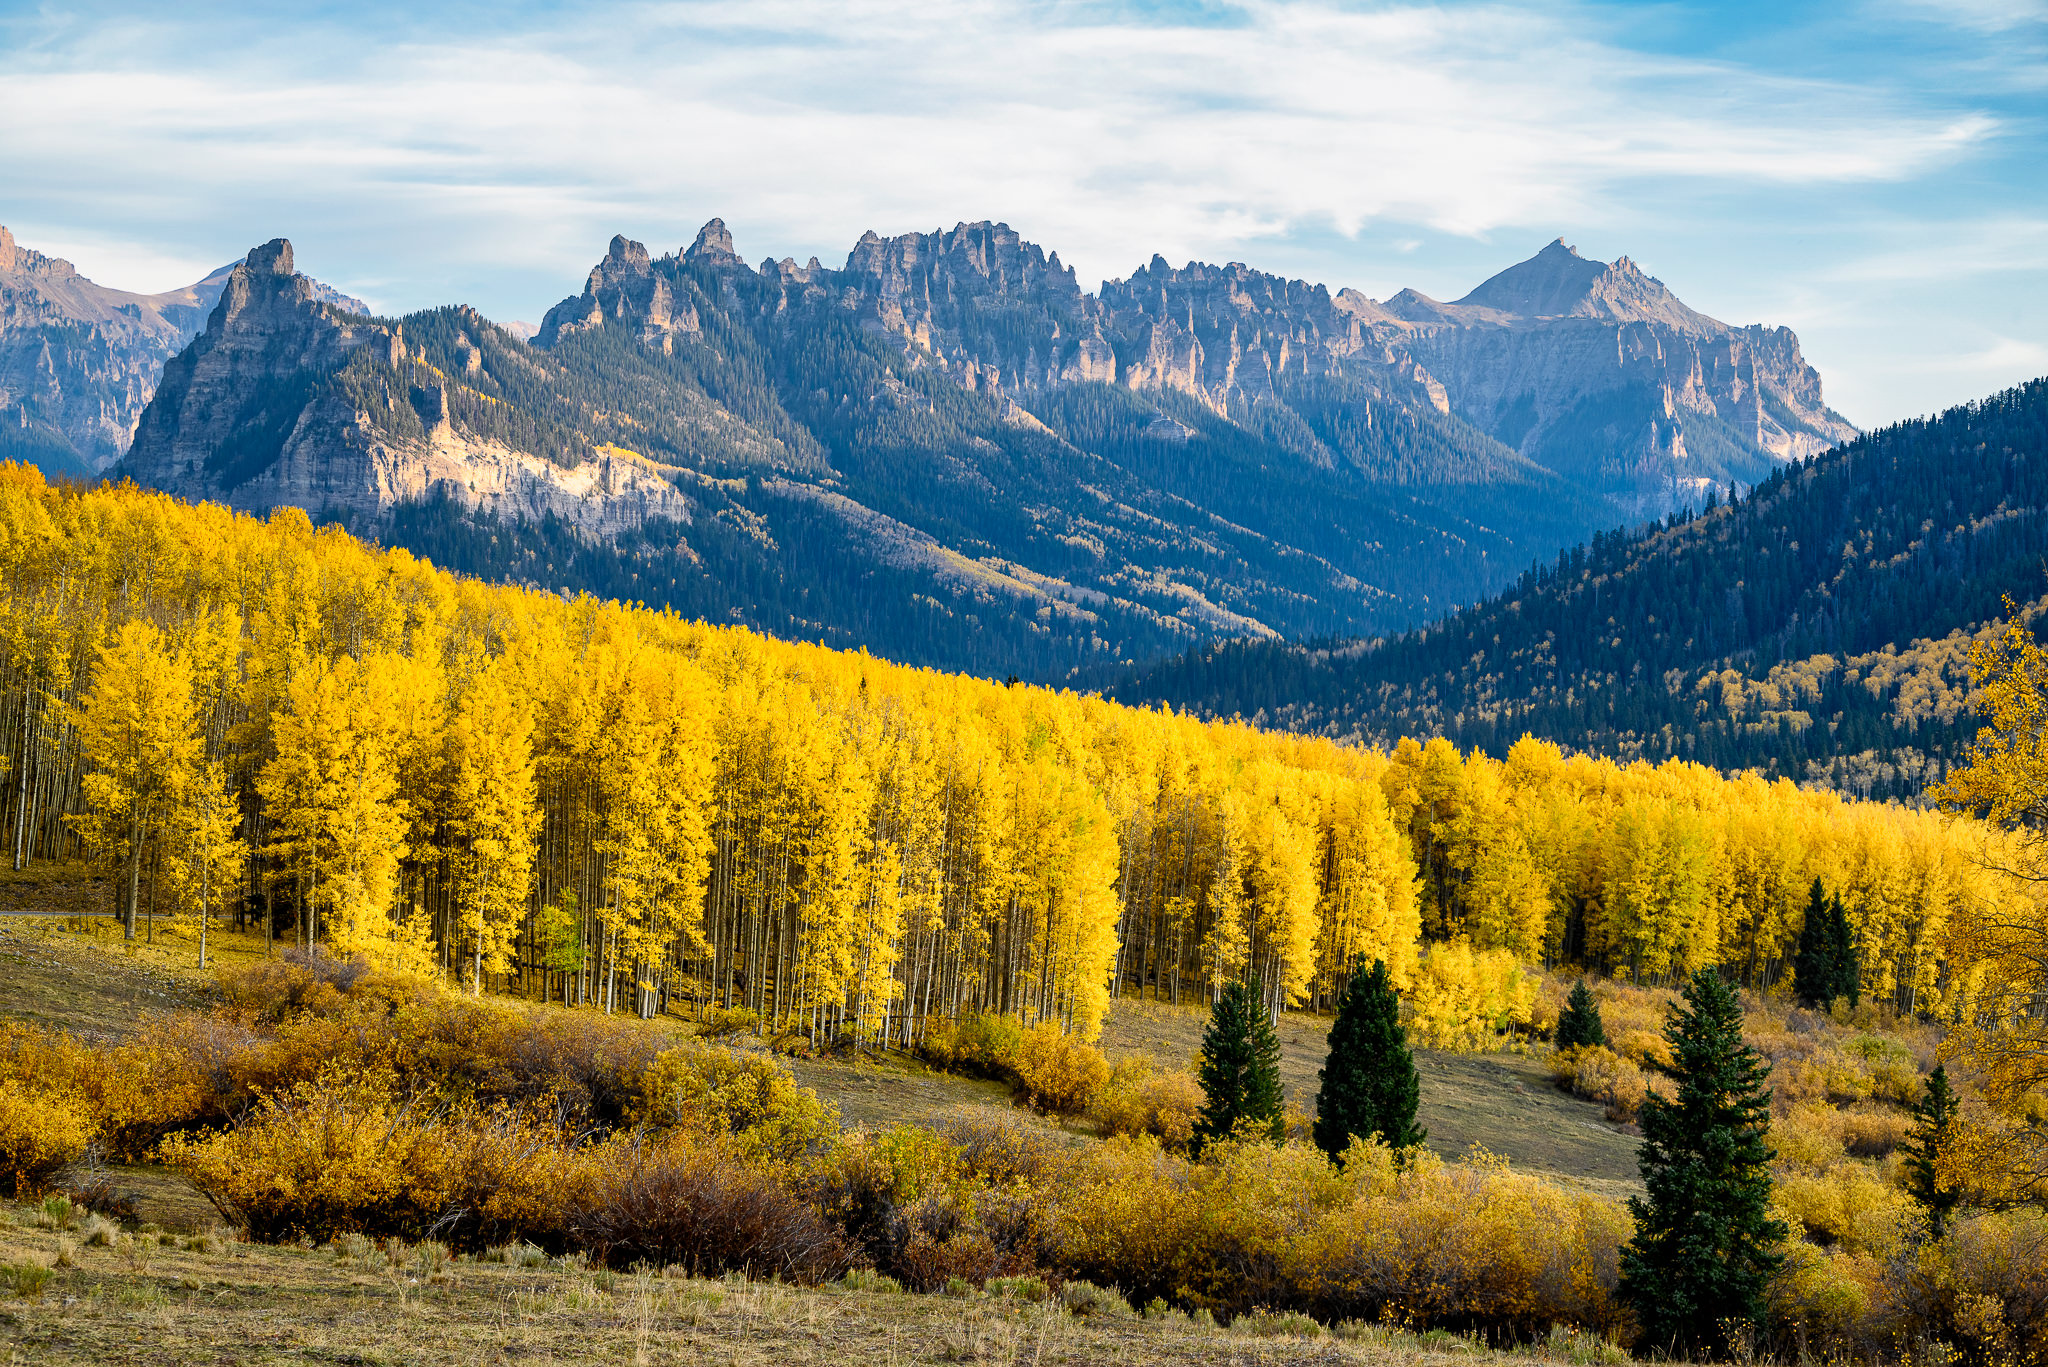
(1505, 1103)
(96, 984)
(151, 1298)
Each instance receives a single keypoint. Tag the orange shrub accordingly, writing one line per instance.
(990, 1145)
(675, 1200)
(1600, 1074)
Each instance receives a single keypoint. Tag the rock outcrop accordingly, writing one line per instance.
(1600, 373)
(286, 399)
(79, 361)
(1594, 372)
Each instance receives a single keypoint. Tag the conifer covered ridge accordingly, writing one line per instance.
(1817, 626)
(611, 804)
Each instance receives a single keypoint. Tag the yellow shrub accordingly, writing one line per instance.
(1118, 1105)
(1826, 1073)
(721, 1021)
(1817, 1295)
(1463, 998)
(1599, 1074)
(1057, 1071)
(1644, 1048)
(985, 1045)
(1847, 1205)
(1173, 1105)
(1993, 1273)
(1807, 1138)
(40, 1134)
(345, 1155)
(1138, 1099)
(1461, 1242)
(753, 1099)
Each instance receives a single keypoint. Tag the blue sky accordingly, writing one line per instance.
(1873, 175)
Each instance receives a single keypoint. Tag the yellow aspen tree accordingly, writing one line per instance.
(337, 822)
(493, 812)
(1656, 913)
(208, 855)
(1502, 900)
(1280, 837)
(1369, 906)
(1226, 948)
(137, 728)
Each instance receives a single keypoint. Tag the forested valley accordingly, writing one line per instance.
(1815, 627)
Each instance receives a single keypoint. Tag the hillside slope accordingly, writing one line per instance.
(1817, 627)
(946, 451)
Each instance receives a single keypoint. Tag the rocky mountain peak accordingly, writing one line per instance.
(714, 244)
(625, 288)
(7, 250)
(272, 258)
(1547, 285)
(973, 257)
(628, 255)
(1559, 283)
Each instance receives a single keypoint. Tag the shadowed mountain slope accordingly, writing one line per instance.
(946, 450)
(1817, 628)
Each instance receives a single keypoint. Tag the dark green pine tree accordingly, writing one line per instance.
(1932, 1120)
(1848, 966)
(1813, 967)
(1240, 1067)
(1580, 1026)
(1705, 1242)
(1369, 1083)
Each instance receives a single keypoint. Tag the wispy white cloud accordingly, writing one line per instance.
(2009, 358)
(1935, 251)
(804, 123)
(1985, 16)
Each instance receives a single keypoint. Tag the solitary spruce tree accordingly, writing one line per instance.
(1580, 1026)
(1933, 1119)
(1369, 1082)
(1705, 1242)
(1240, 1067)
(1847, 963)
(1813, 966)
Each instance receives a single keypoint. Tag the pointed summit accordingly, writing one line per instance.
(7, 251)
(1559, 283)
(1546, 285)
(714, 243)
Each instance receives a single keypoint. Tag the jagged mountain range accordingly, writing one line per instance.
(948, 451)
(79, 361)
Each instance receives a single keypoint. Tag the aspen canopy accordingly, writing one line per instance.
(607, 804)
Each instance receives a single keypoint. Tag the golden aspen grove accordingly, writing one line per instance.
(598, 804)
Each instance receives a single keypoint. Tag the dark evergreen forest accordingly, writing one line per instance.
(1807, 627)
